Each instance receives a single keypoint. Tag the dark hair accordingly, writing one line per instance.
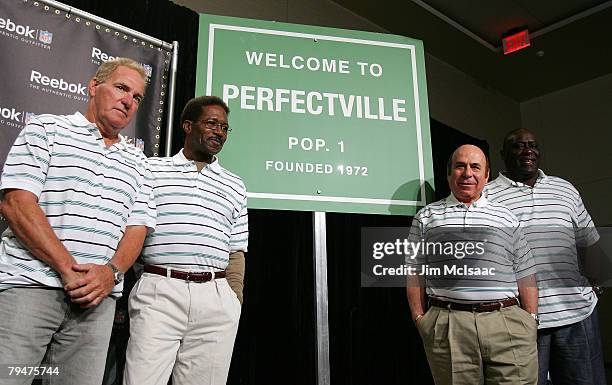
(193, 108)
(512, 134)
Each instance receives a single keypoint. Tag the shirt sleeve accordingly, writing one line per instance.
(239, 239)
(27, 162)
(523, 262)
(586, 233)
(144, 210)
(415, 236)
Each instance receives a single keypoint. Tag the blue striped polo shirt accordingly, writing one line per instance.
(555, 222)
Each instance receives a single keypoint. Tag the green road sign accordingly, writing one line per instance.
(323, 119)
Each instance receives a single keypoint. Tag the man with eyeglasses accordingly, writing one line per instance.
(183, 313)
(78, 200)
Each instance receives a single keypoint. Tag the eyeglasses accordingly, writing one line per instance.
(213, 124)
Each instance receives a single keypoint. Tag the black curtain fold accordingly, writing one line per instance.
(166, 21)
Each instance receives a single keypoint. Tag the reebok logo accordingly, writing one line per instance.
(96, 53)
(59, 84)
(10, 113)
(22, 30)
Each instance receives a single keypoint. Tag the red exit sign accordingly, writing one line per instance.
(516, 42)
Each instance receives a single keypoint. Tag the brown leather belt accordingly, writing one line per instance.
(204, 276)
(475, 307)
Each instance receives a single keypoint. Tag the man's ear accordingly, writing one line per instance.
(187, 127)
(91, 87)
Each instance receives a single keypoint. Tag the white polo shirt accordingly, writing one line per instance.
(555, 222)
(506, 249)
(201, 218)
(88, 192)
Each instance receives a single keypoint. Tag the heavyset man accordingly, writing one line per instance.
(78, 200)
(559, 230)
(184, 315)
(475, 335)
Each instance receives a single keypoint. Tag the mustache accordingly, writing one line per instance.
(215, 138)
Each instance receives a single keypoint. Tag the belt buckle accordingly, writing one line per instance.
(501, 305)
(187, 276)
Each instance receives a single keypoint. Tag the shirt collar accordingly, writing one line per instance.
(451, 201)
(180, 160)
(509, 182)
(79, 120)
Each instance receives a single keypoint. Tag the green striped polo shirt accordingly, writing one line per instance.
(201, 216)
(88, 192)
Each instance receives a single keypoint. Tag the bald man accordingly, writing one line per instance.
(483, 332)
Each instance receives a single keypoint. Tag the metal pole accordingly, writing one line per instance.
(118, 27)
(320, 262)
(171, 97)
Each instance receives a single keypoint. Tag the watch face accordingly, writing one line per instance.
(118, 277)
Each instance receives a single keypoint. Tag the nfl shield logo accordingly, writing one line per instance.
(28, 116)
(45, 36)
(140, 144)
(148, 70)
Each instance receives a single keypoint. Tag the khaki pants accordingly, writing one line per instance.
(497, 347)
(186, 329)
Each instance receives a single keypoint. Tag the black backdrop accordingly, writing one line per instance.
(163, 20)
(372, 339)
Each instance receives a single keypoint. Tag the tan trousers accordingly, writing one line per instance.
(493, 348)
(184, 328)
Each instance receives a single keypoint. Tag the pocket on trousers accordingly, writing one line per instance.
(523, 333)
(426, 324)
(530, 326)
(142, 294)
(231, 304)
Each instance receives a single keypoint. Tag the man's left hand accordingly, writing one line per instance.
(90, 290)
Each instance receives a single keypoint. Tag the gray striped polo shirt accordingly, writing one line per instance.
(555, 222)
(88, 192)
(201, 216)
(505, 250)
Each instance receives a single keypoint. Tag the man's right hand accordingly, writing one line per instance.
(71, 277)
(96, 284)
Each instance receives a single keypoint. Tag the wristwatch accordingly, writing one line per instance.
(536, 317)
(116, 272)
(598, 290)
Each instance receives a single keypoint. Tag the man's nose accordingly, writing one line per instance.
(127, 99)
(218, 131)
(528, 150)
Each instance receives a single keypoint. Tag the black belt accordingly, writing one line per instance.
(204, 276)
(475, 307)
